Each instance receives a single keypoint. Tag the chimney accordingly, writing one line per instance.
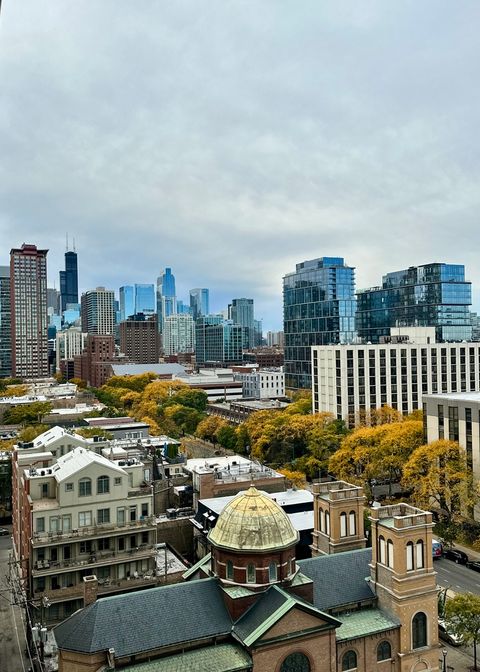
(90, 589)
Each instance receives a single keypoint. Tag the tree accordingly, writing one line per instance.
(296, 479)
(438, 473)
(227, 437)
(462, 613)
(89, 432)
(196, 399)
(185, 418)
(207, 429)
(31, 432)
(27, 414)
(79, 382)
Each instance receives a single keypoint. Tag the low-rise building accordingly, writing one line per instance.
(262, 383)
(79, 513)
(237, 412)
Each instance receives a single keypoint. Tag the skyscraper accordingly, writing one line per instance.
(178, 334)
(69, 280)
(127, 302)
(28, 296)
(5, 323)
(318, 309)
(98, 311)
(432, 295)
(241, 313)
(218, 341)
(166, 296)
(199, 302)
(139, 338)
(144, 299)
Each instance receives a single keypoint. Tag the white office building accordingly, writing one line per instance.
(69, 343)
(178, 334)
(262, 383)
(351, 379)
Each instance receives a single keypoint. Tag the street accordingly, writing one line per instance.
(12, 629)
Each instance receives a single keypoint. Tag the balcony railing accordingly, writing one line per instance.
(97, 559)
(105, 587)
(99, 530)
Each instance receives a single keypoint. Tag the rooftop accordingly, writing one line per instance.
(231, 467)
(473, 397)
(74, 461)
(137, 369)
(218, 658)
(364, 622)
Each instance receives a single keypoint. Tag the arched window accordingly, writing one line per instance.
(343, 524)
(419, 630)
(85, 487)
(390, 553)
(296, 662)
(322, 521)
(381, 550)
(103, 485)
(327, 523)
(349, 661)
(352, 524)
(272, 572)
(229, 569)
(409, 556)
(251, 573)
(384, 651)
(419, 554)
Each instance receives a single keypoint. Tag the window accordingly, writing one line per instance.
(68, 487)
(103, 515)
(419, 549)
(54, 524)
(103, 544)
(349, 661)
(145, 510)
(120, 516)
(85, 547)
(343, 524)
(419, 630)
(352, 524)
(409, 556)
(118, 480)
(40, 525)
(67, 523)
(272, 572)
(384, 651)
(229, 570)
(390, 553)
(84, 487)
(322, 520)
(44, 489)
(327, 523)
(84, 518)
(381, 550)
(251, 573)
(296, 662)
(103, 485)
(133, 514)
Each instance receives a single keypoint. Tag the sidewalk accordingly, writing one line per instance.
(472, 555)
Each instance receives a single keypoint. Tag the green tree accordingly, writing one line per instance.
(185, 418)
(31, 432)
(227, 437)
(438, 473)
(462, 613)
(27, 414)
(207, 429)
(196, 399)
(90, 432)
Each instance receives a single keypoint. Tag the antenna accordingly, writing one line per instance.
(66, 236)
(74, 245)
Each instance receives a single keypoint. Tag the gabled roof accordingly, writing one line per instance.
(148, 619)
(55, 433)
(218, 658)
(78, 459)
(268, 610)
(363, 623)
(339, 579)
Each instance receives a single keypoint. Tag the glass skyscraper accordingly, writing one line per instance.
(69, 280)
(318, 309)
(144, 299)
(199, 302)
(241, 312)
(166, 296)
(218, 341)
(127, 302)
(433, 295)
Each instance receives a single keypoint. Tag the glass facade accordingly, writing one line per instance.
(241, 312)
(166, 296)
(218, 341)
(199, 302)
(434, 295)
(69, 280)
(318, 309)
(127, 302)
(144, 299)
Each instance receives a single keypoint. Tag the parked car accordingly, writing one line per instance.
(447, 635)
(4, 532)
(457, 556)
(474, 564)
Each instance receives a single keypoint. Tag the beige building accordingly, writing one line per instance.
(76, 513)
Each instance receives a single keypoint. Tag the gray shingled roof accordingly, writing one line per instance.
(339, 579)
(147, 619)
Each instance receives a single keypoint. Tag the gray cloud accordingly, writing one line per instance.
(231, 140)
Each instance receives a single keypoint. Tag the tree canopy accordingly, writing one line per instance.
(462, 613)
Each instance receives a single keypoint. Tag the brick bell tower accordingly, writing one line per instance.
(338, 518)
(403, 578)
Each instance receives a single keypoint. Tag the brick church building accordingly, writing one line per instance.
(251, 606)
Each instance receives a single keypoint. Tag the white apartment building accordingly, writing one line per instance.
(69, 343)
(456, 417)
(350, 379)
(178, 334)
(76, 515)
(262, 383)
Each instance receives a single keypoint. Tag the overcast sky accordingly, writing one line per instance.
(231, 140)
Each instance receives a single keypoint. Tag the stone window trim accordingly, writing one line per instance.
(285, 656)
(419, 625)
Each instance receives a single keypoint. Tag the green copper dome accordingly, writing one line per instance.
(252, 521)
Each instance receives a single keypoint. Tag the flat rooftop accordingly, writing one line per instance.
(473, 397)
(230, 467)
(285, 498)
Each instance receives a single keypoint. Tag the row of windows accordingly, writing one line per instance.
(350, 662)
(348, 524)
(415, 556)
(252, 572)
(85, 519)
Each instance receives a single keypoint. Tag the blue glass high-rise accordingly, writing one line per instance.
(69, 280)
(127, 301)
(144, 299)
(199, 302)
(318, 309)
(166, 296)
(432, 295)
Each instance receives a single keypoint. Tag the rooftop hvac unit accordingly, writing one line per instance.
(171, 513)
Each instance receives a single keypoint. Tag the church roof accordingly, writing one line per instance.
(218, 658)
(252, 521)
(339, 579)
(148, 619)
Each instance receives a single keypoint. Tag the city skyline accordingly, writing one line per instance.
(251, 141)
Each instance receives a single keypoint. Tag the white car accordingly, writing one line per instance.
(447, 635)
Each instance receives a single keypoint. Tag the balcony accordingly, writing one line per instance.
(99, 530)
(97, 559)
(105, 587)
